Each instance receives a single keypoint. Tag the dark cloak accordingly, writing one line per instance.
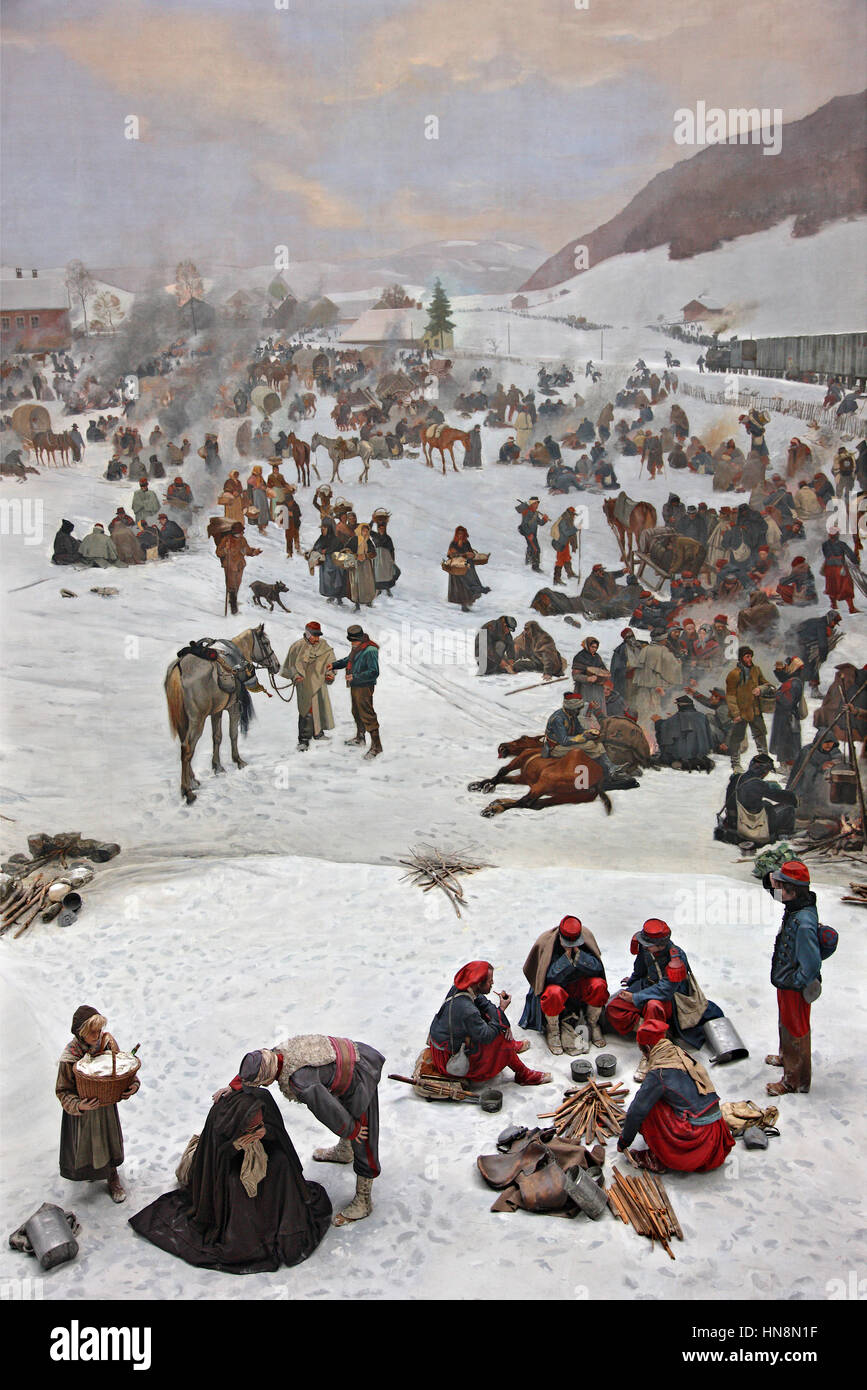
(214, 1224)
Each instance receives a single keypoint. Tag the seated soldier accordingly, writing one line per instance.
(662, 973)
(171, 535)
(685, 739)
(676, 1109)
(798, 587)
(755, 810)
(564, 733)
(565, 971)
(495, 647)
(469, 1022)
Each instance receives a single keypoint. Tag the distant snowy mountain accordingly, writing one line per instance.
(728, 191)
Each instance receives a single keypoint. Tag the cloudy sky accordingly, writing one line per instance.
(304, 125)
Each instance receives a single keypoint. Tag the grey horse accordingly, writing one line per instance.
(198, 689)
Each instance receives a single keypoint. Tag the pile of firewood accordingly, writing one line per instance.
(590, 1114)
(430, 868)
(642, 1202)
(859, 895)
(24, 903)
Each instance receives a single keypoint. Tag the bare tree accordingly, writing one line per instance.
(109, 308)
(80, 284)
(188, 287)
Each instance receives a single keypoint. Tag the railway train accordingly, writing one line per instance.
(809, 358)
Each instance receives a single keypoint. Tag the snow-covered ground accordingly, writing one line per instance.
(276, 904)
(773, 283)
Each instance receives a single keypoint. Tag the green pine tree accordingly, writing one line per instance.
(439, 323)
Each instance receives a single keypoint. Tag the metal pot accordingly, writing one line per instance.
(606, 1064)
(491, 1100)
(582, 1069)
(585, 1188)
(70, 910)
(724, 1042)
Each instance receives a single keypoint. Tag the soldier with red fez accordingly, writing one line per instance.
(337, 1079)
(676, 1109)
(468, 1021)
(796, 972)
(838, 580)
(662, 973)
(531, 520)
(798, 587)
(564, 970)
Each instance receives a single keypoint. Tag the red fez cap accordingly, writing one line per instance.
(573, 695)
(473, 974)
(627, 632)
(799, 560)
(721, 618)
(654, 932)
(313, 627)
(570, 928)
(598, 567)
(653, 1026)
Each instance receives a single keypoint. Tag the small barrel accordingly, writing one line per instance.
(606, 1064)
(582, 1069)
(491, 1100)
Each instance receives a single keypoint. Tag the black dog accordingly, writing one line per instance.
(271, 593)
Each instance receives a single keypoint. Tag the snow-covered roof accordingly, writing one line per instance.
(387, 325)
(28, 293)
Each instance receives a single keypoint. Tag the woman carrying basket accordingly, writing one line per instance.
(91, 1140)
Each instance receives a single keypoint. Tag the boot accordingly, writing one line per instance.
(116, 1190)
(340, 1153)
(797, 1065)
(552, 1035)
(641, 1070)
(558, 575)
(594, 1014)
(359, 738)
(361, 1204)
(375, 747)
(569, 570)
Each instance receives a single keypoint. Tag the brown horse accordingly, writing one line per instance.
(443, 438)
(551, 781)
(301, 455)
(47, 445)
(641, 517)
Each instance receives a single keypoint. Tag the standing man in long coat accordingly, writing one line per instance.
(232, 549)
(786, 725)
(531, 520)
(796, 974)
(564, 539)
(656, 670)
(309, 664)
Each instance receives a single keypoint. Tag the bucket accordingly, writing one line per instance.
(584, 1187)
(723, 1040)
(606, 1064)
(582, 1069)
(49, 1234)
(843, 786)
(491, 1100)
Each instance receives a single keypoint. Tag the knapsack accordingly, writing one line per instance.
(828, 940)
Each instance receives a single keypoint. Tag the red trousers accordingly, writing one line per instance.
(563, 557)
(838, 584)
(625, 1017)
(794, 1012)
(591, 990)
(682, 1145)
(488, 1062)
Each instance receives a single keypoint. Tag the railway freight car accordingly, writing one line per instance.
(814, 357)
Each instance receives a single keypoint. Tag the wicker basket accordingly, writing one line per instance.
(480, 558)
(456, 565)
(106, 1089)
(344, 559)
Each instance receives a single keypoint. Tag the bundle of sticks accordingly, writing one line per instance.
(848, 842)
(24, 903)
(430, 868)
(858, 895)
(590, 1114)
(642, 1202)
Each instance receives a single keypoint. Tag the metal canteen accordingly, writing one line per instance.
(724, 1042)
(49, 1234)
(585, 1189)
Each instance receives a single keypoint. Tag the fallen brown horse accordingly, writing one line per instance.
(628, 521)
(551, 781)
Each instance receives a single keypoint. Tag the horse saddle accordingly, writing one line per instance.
(202, 647)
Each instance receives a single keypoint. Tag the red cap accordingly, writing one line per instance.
(793, 871)
(573, 695)
(313, 627)
(653, 1026)
(721, 618)
(473, 974)
(654, 932)
(799, 560)
(627, 632)
(570, 928)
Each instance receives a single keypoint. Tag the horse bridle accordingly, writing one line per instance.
(267, 652)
